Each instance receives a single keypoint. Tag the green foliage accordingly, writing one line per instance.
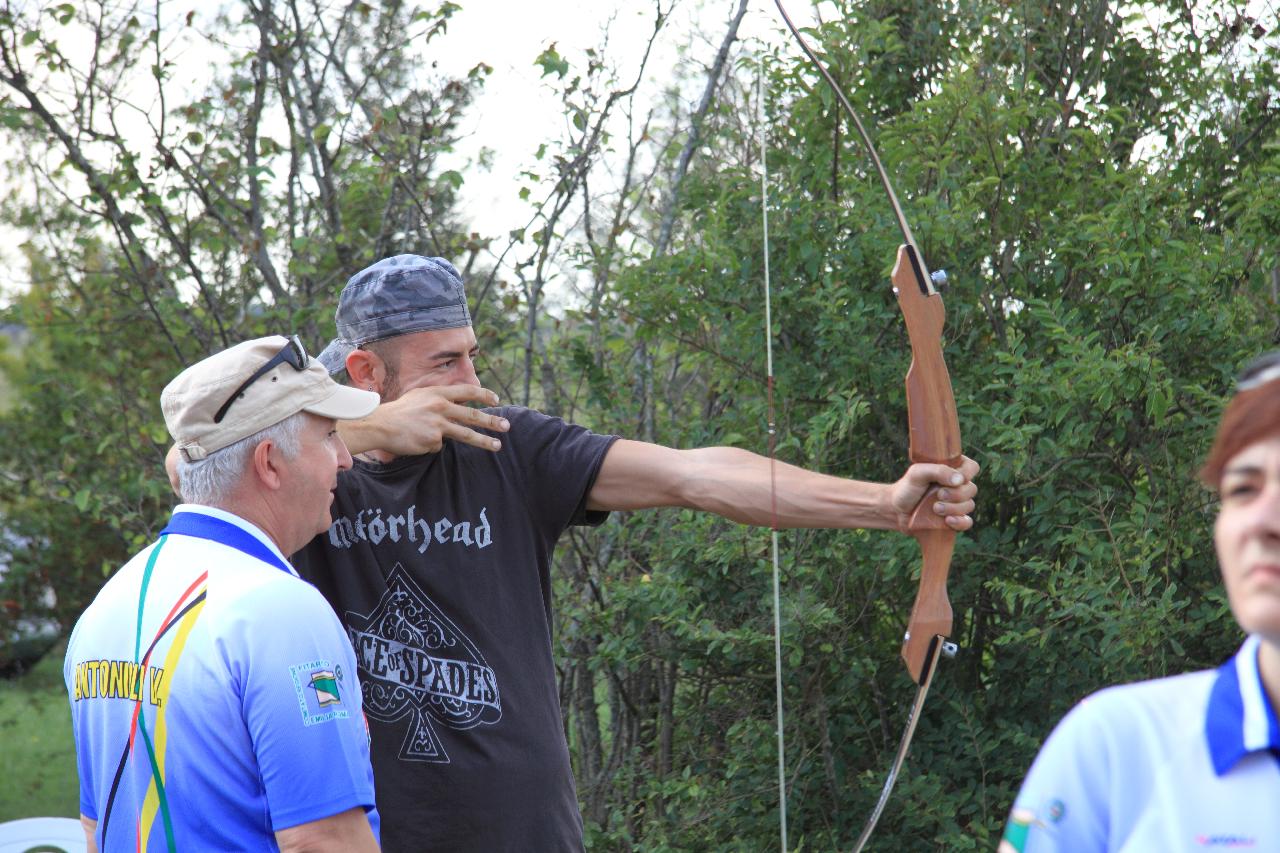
(1099, 304)
(84, 452)
(40, 777)
(1100, 188)
(552, 62)
(236, 210)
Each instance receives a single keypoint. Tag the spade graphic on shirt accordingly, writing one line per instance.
(415, 663)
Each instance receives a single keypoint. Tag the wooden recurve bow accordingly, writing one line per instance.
(934, 437)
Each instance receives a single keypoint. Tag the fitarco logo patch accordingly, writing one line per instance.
(318, 685)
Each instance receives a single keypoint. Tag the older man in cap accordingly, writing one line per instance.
(438, 559)
(213, 692)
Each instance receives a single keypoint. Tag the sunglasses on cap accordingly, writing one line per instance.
(1261, 371)
(292, 354)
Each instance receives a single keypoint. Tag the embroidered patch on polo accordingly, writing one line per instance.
(318, 686)
(325, 685)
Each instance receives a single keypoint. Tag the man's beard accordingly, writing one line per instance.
(390, 384)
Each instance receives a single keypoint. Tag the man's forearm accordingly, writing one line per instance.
(741, 486)
(738, 485)
(363, 435)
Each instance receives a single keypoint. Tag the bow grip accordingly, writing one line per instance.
(935, 437)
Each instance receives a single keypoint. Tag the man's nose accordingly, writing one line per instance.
(467, 372)
(344, 456)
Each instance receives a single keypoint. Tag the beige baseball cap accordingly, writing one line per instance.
(235, 393)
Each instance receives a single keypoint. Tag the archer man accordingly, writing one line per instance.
(439, 555)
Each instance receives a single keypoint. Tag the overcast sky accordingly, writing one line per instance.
(517, 110)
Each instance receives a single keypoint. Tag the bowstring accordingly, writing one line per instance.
(773, 480)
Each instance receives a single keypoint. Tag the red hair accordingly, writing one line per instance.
(1250, 417)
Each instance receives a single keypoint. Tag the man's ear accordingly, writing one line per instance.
(268, 463)
(171, 468)
(365, 370)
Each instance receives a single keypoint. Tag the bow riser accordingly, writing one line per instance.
(931, 408)
(935, 437)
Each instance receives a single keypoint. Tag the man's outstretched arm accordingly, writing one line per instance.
(735, 484)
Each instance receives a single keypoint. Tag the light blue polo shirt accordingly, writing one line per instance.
(213, 696)
(1187, 763)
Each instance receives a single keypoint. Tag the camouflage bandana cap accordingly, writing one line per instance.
(396, 296)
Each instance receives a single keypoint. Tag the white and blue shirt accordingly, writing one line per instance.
(1187, 763)
(213, 696)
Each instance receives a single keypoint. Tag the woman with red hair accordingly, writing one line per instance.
(1190, 762)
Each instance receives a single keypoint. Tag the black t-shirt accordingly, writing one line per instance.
(439, 567)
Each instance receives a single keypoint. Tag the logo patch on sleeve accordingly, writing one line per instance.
(318, 685)
(325, 685)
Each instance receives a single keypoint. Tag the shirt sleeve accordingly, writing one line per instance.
(559, 462)
(301, 704)
(1064, 806)
(84, 763)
